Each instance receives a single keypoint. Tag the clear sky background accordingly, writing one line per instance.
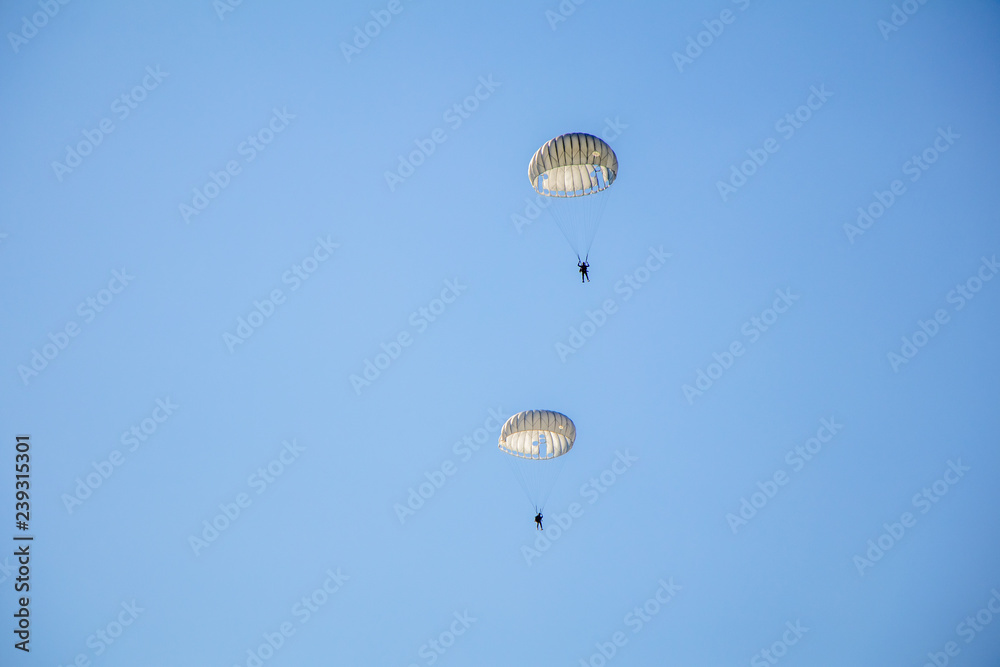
(679, 128)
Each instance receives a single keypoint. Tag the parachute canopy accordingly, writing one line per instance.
(537, 434)
(534, 443)
(573, 173)
(573, 165)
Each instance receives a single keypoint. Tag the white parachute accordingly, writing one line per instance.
(575, 170)
(534, 443)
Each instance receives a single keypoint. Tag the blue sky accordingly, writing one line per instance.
(126, 290)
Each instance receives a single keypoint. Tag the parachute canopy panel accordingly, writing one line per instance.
(573, 165)
(537, 434)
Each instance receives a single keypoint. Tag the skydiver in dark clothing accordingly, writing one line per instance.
(583, 270)
(538, 521)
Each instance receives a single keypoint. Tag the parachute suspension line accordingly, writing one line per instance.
(536, 477)
(532, 440)
(593, 215)
(560, 465)
(578, 218)
(574, 218)
(563, 220)
(521, 477)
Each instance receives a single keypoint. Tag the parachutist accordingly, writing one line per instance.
(538, 520)
(583, 271)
